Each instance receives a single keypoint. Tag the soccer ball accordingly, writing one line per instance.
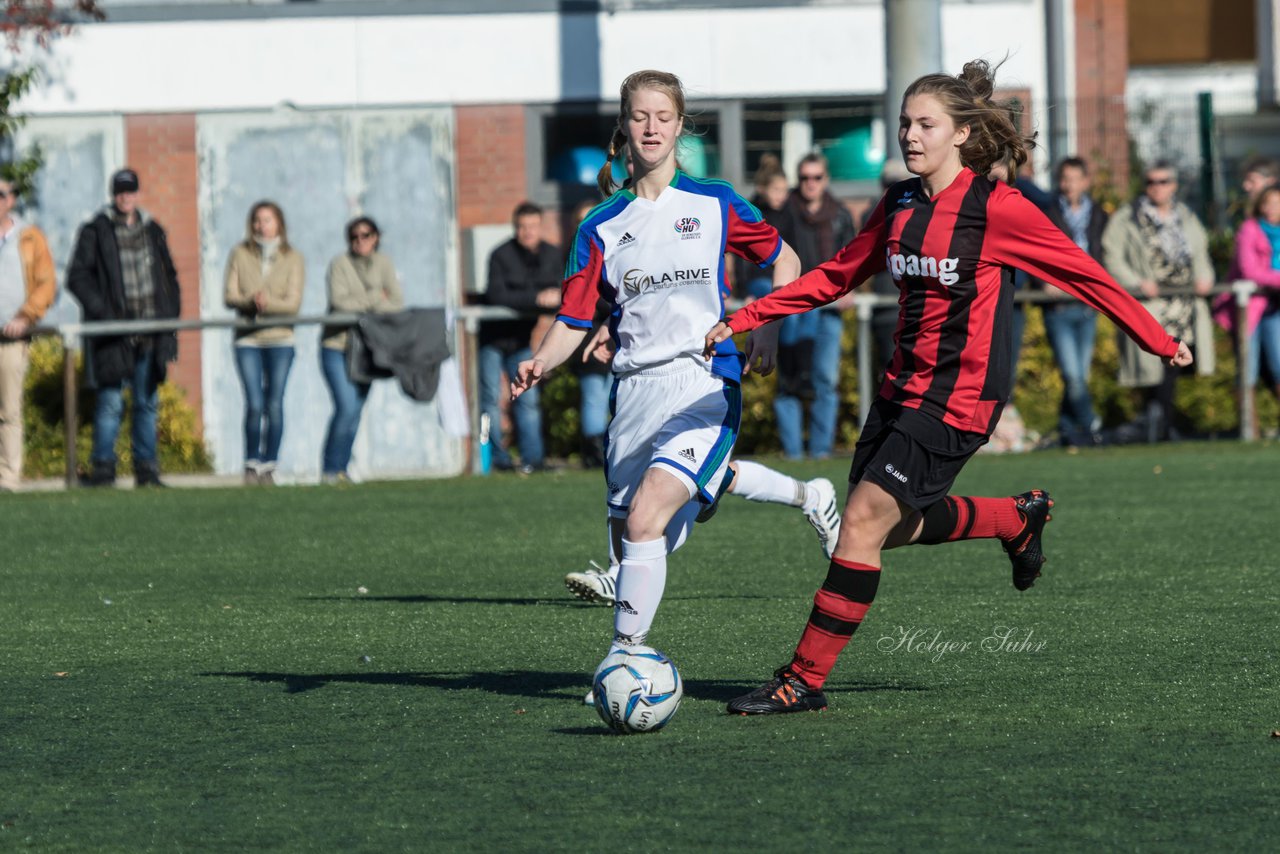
(637, 690)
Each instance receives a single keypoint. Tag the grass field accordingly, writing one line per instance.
(198, 669)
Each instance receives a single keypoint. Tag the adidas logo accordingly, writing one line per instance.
(626, 238)
(687, 453)
(625, 607)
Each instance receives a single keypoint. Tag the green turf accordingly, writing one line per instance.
(227, 687)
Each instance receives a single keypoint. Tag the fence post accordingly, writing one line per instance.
(1204, 101)
(70, 414)
(864, 304)
(471, 327)
(1244, 291)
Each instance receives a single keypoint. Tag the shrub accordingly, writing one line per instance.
(1208, 404)
(180, 446)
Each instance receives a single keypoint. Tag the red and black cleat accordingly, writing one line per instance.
(786, 692)
(1025, 550)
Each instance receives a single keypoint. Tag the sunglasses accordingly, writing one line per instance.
(818, 177)
(360, 235)
(1159, 182)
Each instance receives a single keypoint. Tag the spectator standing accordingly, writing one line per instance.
(1257, 259)
(1260, 174)
(361, 280)
(1157, 247)
(122, 270)
(524, 274)
(1071, 326)
(27, 289)
(810, 367)
(264, 279)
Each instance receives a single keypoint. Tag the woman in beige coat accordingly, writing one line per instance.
(360, 280)
(1157, 247)
(264, 279)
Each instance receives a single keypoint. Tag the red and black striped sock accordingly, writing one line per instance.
(838, 608)
(961, 517)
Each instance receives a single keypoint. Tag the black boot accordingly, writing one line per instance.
(103, 473)
(593, 452)
(147, 473)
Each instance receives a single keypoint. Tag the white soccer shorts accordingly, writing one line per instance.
(676, 416)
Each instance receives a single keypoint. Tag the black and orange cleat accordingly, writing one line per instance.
(1025, 550)
(786, 692)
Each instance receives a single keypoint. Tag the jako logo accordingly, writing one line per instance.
(893, 471)
(927, 267)
(687, 225)
(637, 281)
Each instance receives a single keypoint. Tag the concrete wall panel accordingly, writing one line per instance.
(322, 169)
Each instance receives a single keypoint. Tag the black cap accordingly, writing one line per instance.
(124, 181)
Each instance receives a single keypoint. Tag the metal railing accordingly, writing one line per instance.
(469, 318)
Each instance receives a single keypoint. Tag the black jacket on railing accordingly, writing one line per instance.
(94, 278)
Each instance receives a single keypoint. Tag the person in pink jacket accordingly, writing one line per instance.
(1258, 260)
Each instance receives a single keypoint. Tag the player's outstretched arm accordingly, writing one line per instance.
(1020, 235)
(556, 347)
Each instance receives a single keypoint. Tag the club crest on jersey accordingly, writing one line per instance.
(923, 266)
(687, 227)
(636, 281)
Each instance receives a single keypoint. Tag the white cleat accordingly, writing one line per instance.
(595, 585)
(590, 699)
(825, 515)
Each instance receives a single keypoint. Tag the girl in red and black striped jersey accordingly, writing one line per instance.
(950, 239)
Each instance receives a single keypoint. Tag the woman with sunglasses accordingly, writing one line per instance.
(360, 280)
(1156, 247)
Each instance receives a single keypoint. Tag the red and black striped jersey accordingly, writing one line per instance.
(952, 257)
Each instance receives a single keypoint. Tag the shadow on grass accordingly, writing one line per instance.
(559, 601)
(536, 684)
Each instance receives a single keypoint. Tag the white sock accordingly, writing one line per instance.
(758, 483)
(640, 585)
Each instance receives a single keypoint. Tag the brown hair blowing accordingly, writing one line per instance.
(994, 136)
(662, 81)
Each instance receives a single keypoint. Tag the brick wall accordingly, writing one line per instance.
(162, 149)
(1102, 66)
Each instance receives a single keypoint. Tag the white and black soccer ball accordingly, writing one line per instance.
(637, 690)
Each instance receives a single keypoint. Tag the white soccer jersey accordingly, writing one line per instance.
(661, 265)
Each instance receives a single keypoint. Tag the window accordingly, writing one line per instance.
(849, 133)
(568, 144)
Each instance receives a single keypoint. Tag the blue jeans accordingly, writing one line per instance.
(525, 411)
(1265, 339)
(109, 408)
(348, 402)
(1071, 330)
(263, 373)
(595, 402)
(789, 410)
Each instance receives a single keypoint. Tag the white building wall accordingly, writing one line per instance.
(833, 49)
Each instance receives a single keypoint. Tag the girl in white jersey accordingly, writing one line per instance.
(656, 251)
